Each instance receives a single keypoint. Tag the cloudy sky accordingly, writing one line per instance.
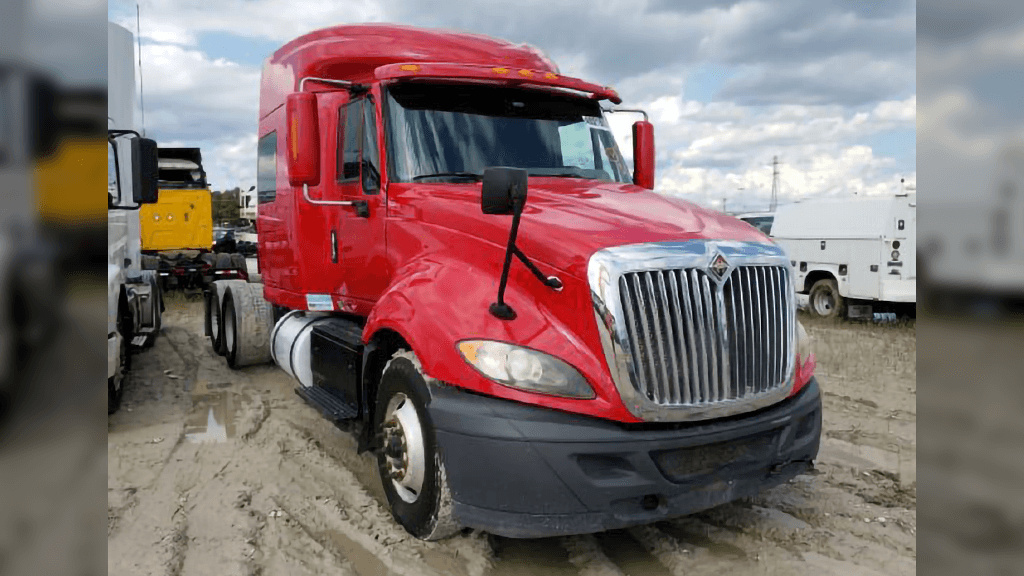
(971, 69)
(829, 86)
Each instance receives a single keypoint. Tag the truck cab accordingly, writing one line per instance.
(455, 254)
(134, 301)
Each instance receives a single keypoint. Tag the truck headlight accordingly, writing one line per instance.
(803, 342)
(525, 369)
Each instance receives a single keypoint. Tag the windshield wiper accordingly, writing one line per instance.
(561, 175)
(471, 175)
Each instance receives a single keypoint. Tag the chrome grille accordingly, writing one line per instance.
(696, 341)
(683, 343)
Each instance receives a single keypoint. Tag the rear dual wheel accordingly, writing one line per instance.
(213, 317)
(246, 323)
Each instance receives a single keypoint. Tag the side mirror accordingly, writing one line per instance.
(303, 139)
(251, 188)
(643, 154)
(503, 189)
(145, 171)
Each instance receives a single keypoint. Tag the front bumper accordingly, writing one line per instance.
(525, 472)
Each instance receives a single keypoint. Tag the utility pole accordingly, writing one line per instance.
(775, 184)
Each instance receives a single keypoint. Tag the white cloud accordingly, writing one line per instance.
(181, 21)
(704, 149)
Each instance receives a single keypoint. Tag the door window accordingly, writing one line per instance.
(349, 140)
(358, 159)
(266, 168)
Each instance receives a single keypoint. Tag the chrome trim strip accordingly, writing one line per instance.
(684, 396)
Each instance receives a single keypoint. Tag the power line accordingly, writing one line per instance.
(775, 184)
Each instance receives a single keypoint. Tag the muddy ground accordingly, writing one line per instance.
(212, 471)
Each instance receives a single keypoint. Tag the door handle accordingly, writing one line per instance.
(362, 208)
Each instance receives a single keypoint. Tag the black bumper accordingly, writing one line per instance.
(524, 472)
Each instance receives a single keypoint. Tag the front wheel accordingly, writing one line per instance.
(824, 300)
(409, 462)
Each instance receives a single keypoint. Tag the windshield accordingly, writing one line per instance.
(455, 131)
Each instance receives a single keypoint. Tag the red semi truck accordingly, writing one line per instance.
(596, 357)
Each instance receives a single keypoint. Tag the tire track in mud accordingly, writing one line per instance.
(289, 495)
(346, 515)
(586, 555)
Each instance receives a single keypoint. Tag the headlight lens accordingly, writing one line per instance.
(525, 369)
(803, 342)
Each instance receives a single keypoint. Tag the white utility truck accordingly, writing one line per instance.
(973, 250)
(134, 302)
(854, 255)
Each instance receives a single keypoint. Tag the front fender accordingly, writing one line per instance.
(436, 302)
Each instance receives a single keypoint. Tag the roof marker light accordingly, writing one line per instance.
(551, 76)
(410, 67)
(500, 70)
(525, 73)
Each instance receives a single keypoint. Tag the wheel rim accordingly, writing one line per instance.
(405, 462)
(824, 302)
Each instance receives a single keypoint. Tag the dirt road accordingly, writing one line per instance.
(218, 472)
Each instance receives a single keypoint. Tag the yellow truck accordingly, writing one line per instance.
(177, 231)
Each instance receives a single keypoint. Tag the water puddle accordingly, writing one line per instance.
(212, 418)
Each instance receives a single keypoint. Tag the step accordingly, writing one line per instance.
(332, 407)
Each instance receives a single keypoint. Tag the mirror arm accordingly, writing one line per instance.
(627, 110)
(550, 281)
(500, 309)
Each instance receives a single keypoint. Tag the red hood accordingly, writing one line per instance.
(567, 220)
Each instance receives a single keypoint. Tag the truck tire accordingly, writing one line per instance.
(115, 384)
(238, 262)
(824, 300)
(247, 323)
(223, 262)
(208, 258)
(417, 492)
(209, 312)
(215, 313)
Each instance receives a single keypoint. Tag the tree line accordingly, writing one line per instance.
(225, 206)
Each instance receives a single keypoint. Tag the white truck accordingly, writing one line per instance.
(247, 207)
(134, 301)
(853, 256)
(28, 289)
(973, 250)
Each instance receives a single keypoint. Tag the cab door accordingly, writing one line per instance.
(356, 179)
